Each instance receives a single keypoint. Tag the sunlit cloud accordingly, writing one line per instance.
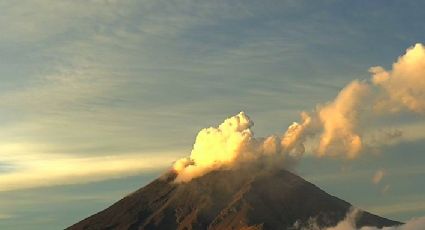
(233, 142)
(377, 177)
(400, 89)
(349, 223)
(37, 170)
(340, 121)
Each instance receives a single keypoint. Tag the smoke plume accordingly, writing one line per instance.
(338, 127)
(401, 89)
(233, 142)
(404, 85)
(340, 121)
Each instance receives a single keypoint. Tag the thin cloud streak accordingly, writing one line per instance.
(38, 170)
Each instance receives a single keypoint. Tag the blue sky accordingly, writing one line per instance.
(97, 98)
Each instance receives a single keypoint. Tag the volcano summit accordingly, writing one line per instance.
(233, 180)
(229, 199)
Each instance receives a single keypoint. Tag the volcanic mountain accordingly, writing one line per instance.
(228, 199)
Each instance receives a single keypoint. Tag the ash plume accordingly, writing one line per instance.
(336, 128)
(401, 89)
(233, 142)
(340, 120)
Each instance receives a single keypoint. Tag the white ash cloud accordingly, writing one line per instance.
(343, 122)
(232, 142)
(340, 119)
(339, 126)
(404, 85)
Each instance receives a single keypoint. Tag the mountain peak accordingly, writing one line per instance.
(228, 199)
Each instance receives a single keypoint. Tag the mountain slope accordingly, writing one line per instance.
(227, 199)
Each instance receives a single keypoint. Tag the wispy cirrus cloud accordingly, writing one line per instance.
(40, 170)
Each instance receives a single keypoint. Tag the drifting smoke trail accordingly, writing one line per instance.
(340, 120)
(404, 86)
(400, 89)
(337, 124)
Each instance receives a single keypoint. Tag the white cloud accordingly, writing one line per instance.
(340, 120)
(377, 177)
(30, 169)
(349, 224)
(344, 122)
(404, 84)
(233, 143)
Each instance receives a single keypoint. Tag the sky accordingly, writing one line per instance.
(99, 97)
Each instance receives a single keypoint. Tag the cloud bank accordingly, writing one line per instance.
(349, 224)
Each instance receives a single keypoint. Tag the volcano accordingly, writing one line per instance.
(229, 199)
